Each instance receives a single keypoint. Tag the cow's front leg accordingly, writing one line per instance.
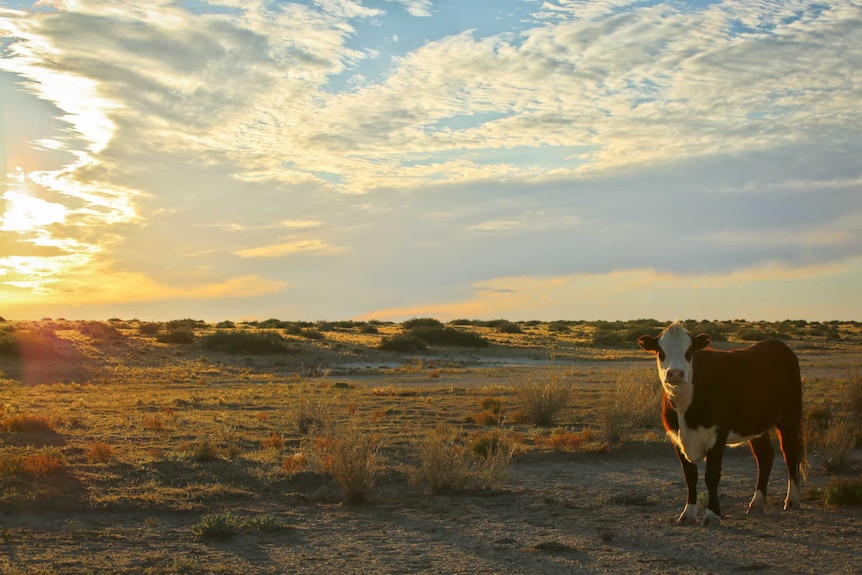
(712, 477)
(689, 470)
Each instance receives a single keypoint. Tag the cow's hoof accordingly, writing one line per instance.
(688, 515)
(757, 505)
(791, 505)
(710, 519)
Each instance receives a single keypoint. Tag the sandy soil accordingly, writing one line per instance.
(560, 513)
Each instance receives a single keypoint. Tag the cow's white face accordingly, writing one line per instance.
(673, 349)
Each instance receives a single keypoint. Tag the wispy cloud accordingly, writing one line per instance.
(288, 248)
(562, 139)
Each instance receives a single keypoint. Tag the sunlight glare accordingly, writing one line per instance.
(25, 213)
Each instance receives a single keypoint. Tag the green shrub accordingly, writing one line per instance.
(218, 526)
(447, 336)
(402, 342)
(98, 330)
(558, 326)
(247, 342)
(267, 523)
(422, 322)
(843, 491)
(149, 328)
(508, 327)
(185, 324)
(227, 324)
(177, 335)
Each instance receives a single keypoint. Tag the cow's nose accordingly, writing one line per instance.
(674, 376)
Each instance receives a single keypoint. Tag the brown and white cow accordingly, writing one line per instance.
(715, 398)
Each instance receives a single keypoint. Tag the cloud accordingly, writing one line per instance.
(418, 8)
(289, 248)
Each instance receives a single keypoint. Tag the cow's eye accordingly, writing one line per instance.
(688, 354)
(660, 354)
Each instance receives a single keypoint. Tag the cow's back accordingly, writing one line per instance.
(748, 389)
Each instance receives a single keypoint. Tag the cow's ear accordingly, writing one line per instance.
(648, 342)
(700, 341)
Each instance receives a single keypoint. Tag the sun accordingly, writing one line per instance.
(24, 213)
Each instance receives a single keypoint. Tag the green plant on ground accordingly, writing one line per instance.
(843, 491)
(219, 526)
(247, 342)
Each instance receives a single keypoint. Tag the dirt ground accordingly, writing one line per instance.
(558, 513)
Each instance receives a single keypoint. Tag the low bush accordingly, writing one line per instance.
(149, 328)
(634, 402)
(447, 336)
(404, 343)
(449, 460)
(246, 342)
(311, 416)
(350, 456)
(542, 400)
(179, 335)
(99, 452)
(833, 442)
(843, 491)
(218, 526)
(99, 330)
(27, 423)
(423, 322)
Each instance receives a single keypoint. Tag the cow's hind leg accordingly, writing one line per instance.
(689, 470)
(764, 454)
(792, 446)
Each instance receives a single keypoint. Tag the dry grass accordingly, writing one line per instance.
(351, 456)
(632, 404)
(541, 400)
(138, 434)
(451, 460)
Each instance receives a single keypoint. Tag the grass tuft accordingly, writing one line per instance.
(542, 400)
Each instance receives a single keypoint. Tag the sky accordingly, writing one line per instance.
(389, 159)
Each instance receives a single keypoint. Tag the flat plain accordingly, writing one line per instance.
(124, 452)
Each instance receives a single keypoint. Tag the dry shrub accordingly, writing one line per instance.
(27, 423)
(445, 461)
(156, 424)
(541, 400)
(834, 442)
(311, 416)
(11, 464)
(562, 439)
(633, 403)
(44, 463)
(294, 464)
(350, 455)
(452, 461)
(99, 452)
(275, 442)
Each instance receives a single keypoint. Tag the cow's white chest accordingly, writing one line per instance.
(694, 443)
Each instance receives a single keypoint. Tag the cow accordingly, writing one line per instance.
(715, 398)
